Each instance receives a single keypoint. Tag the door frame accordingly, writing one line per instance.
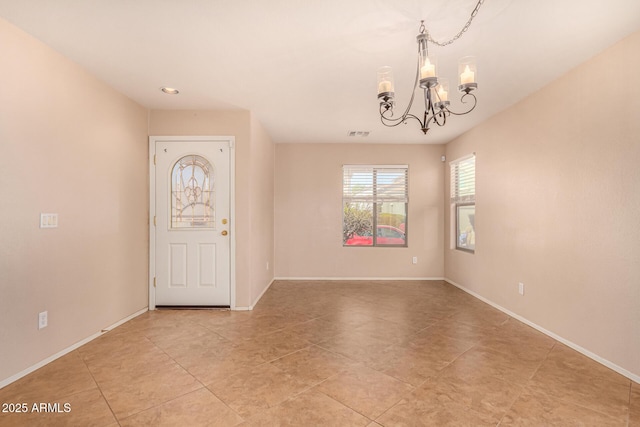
(230, 140)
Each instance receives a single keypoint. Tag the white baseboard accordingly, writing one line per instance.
(360, 278)
(67, 350)
(564, 341)
(125, 320)
(251, 307)
(261, 294)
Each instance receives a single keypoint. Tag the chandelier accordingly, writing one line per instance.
(435, 89)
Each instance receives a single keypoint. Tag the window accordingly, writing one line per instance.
(374, 205)
(192, 202)
(463, 199)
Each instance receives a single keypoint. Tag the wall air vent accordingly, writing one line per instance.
(360, 133)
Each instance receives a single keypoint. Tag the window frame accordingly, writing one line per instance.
(461, 199)
(377, 202)
(457, 211)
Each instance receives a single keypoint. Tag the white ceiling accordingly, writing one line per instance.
(307, 70)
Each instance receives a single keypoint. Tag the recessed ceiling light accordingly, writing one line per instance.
(170, 90)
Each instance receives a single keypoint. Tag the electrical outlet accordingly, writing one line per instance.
(521, 288)
(415, 260)
(43, 320)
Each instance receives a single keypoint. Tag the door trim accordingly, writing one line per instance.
(232, 208)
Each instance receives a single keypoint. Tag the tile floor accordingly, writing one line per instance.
(329, 354)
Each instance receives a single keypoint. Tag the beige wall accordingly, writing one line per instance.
(252, 159)
(262, 194)
(308, 212)
(68, 145)
(558, 207)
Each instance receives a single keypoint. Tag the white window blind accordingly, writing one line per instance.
(377, 184)
(463, 180)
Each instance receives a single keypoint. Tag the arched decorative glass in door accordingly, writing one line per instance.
(192, 193)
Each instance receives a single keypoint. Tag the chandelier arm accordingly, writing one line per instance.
(392, 122)
(400, 120)
(430, 107)
(475, 102)
(443, 115)
(413, 95)
(413, 92)
(412, 116)
(428, 104)
(426, 125)
(384, 109)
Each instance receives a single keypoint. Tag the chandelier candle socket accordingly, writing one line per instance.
(435, 89)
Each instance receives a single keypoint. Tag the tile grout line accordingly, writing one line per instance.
(100, 389)
(175, 362)
(203, 386)
(524, 386)
(344, 404)
(630, 394)
(568, 401)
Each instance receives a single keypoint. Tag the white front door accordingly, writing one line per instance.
(192, 223)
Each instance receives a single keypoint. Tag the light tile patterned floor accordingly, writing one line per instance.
(393, 353)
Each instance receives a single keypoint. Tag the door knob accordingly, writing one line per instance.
(224, 232)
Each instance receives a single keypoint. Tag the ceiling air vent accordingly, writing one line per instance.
(360, 133)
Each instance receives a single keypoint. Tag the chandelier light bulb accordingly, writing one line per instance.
(443, 90)
(468, 74)
(428, 69)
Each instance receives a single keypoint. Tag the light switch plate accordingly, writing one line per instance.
(48, 220)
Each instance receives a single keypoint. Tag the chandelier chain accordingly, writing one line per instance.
(461, 32)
